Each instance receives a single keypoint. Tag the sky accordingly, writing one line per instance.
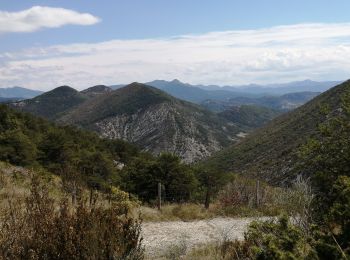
(81, 43)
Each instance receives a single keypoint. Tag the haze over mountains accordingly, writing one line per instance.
(18, 92)
(201, 93)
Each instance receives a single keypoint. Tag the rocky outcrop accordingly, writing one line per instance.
(163, 128)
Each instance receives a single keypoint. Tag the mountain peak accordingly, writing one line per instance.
(176, 81)
(51, 103)
(63, 90)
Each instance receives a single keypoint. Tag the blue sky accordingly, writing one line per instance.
(198, 41)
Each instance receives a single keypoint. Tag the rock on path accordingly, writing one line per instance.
(159, 236)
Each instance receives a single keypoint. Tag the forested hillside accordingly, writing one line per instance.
(270, 153)
(84, 159)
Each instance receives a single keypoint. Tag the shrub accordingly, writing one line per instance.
(271, 240)
(39, 228)
(239, 197)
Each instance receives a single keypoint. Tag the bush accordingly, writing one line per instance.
(39, 228)
(271, 240)
(239, 198)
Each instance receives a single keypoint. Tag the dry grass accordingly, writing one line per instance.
(15, 183)
(173, 212)
(205, 252)
(40, 221)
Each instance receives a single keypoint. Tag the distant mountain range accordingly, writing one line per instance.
(141, 114)
(215, 98)
(18, 93)
(200, 93)
(270, 153)
(193, 93)
(277, 89)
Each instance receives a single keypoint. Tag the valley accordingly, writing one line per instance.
(174, 130)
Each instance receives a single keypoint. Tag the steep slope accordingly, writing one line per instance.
(249, 116)
(52, 103)
(270, 153)
(19, 92)
(155, 121)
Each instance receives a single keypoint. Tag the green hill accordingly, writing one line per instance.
(30, 141)
(126, 100)
(270, 152)
(52, 103)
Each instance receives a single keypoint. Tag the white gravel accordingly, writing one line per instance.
(160, 236)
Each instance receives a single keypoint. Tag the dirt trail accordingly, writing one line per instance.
(159, 236)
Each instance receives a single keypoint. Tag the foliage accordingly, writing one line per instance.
(327, 157)
(142, 176)
(273, 239)
(210, 181)
(30, 141)
(242, 197)
(324, 229)
(52, 103)
(41, 229)
(327, 160)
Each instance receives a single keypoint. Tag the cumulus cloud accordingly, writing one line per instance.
(38, 17)
(276, 54)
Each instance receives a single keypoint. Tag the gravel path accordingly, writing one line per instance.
(160, 236)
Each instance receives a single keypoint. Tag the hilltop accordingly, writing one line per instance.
(50, 104)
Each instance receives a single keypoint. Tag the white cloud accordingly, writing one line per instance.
(276, 54)
(38, 17)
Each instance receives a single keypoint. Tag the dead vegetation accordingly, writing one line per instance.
(38, 223)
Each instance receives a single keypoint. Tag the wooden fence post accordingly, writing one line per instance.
(257, 198)
(159, 196)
